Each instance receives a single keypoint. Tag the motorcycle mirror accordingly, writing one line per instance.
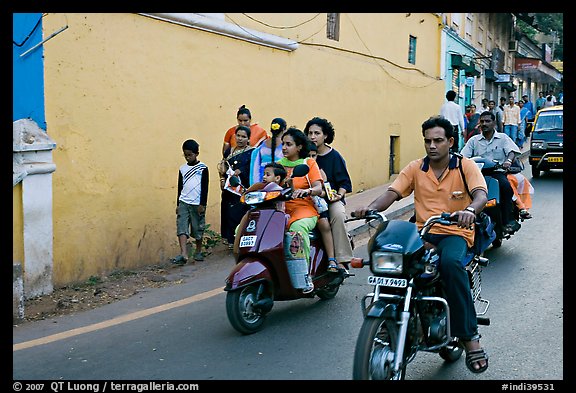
(234, 181)
(300, 170)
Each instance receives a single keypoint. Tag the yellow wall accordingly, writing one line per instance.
(123, 91)
(17, 225)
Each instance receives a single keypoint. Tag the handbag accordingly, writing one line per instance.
(319, 203)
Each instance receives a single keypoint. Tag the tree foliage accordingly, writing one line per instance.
(549, 24)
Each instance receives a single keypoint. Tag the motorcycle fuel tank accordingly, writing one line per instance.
(396, 233)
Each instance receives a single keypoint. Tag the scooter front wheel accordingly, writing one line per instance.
(242, 314)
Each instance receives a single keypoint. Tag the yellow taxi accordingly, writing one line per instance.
(547, 140)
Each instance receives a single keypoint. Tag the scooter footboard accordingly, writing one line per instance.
(248, 271)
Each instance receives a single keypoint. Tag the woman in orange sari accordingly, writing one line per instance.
(303, 214)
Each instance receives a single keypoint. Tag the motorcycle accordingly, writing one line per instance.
(265, 272)
(407, 311)
(493, 208)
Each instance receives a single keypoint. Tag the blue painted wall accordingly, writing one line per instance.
(27, 71)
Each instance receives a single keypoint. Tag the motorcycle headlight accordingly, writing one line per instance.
(386, 262)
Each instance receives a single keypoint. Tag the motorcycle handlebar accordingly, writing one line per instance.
(369, 215)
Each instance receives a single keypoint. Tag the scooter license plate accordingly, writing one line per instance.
(555, 159)
(247, 241)
(388, 282)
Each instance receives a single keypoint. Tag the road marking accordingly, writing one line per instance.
(116, 321)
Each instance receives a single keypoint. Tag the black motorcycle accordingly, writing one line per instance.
(407, 311)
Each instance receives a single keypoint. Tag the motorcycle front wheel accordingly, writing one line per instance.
(242, 314)
(375, 351)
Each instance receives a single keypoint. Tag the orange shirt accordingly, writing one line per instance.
(257, 135)
(302, 207)
(433, 196)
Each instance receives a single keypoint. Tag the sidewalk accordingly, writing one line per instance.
(397, 209)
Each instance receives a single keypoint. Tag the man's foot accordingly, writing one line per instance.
(525, 214)
(476, 356)
(198, 256)
(512, 227)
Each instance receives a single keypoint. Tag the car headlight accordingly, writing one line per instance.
(386, 262)
(538, 144)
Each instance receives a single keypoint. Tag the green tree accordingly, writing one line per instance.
(550, 24)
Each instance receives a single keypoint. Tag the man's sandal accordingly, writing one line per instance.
(475, 356)
(525, 214)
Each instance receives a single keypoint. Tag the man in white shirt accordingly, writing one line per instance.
(452, 111)
(511, 119)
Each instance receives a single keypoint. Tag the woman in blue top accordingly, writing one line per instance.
(268, 151)
(321, 132)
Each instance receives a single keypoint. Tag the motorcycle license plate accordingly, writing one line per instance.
(247, 241)
(555, 159)
(388, 282)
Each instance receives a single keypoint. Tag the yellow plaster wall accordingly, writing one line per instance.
(17, 225)
(123, 91)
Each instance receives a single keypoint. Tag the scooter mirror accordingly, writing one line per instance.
(300, 170)
(234, 181)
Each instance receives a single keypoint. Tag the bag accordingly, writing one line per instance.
(484, 233)
(320, 204)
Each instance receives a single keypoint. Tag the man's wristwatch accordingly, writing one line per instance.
(471, 210)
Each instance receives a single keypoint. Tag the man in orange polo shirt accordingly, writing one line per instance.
(438, 187)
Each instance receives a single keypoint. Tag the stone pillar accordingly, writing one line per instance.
(33, 166)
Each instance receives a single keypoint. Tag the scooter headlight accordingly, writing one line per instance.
(256, 197)
(253, 198)
(386, 262)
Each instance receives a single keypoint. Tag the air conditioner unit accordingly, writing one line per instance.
(513, 46)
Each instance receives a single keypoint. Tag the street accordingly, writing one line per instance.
(182, 332)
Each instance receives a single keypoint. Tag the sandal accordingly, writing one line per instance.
(332, 266)
(179, 260)
(525, 214)
(476, 356)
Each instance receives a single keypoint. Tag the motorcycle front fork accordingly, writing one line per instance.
(403, 324)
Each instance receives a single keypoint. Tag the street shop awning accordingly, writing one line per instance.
(491, 75)
(537, 70)
(458, 62)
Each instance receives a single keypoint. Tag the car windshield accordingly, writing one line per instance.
(550, 121)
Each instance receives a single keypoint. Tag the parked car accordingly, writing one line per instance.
(547, 142)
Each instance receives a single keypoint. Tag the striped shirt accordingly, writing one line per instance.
(193, 184)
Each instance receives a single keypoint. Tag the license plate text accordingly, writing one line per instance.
(247, 241)
(388, 282)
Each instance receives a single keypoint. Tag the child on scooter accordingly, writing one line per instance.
(272, 179)
(274, 174)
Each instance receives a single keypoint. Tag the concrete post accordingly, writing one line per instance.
(33, 166)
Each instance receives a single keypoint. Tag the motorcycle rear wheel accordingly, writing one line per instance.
(241, 312)
(375, 351)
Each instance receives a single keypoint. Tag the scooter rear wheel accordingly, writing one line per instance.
(242, 314)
